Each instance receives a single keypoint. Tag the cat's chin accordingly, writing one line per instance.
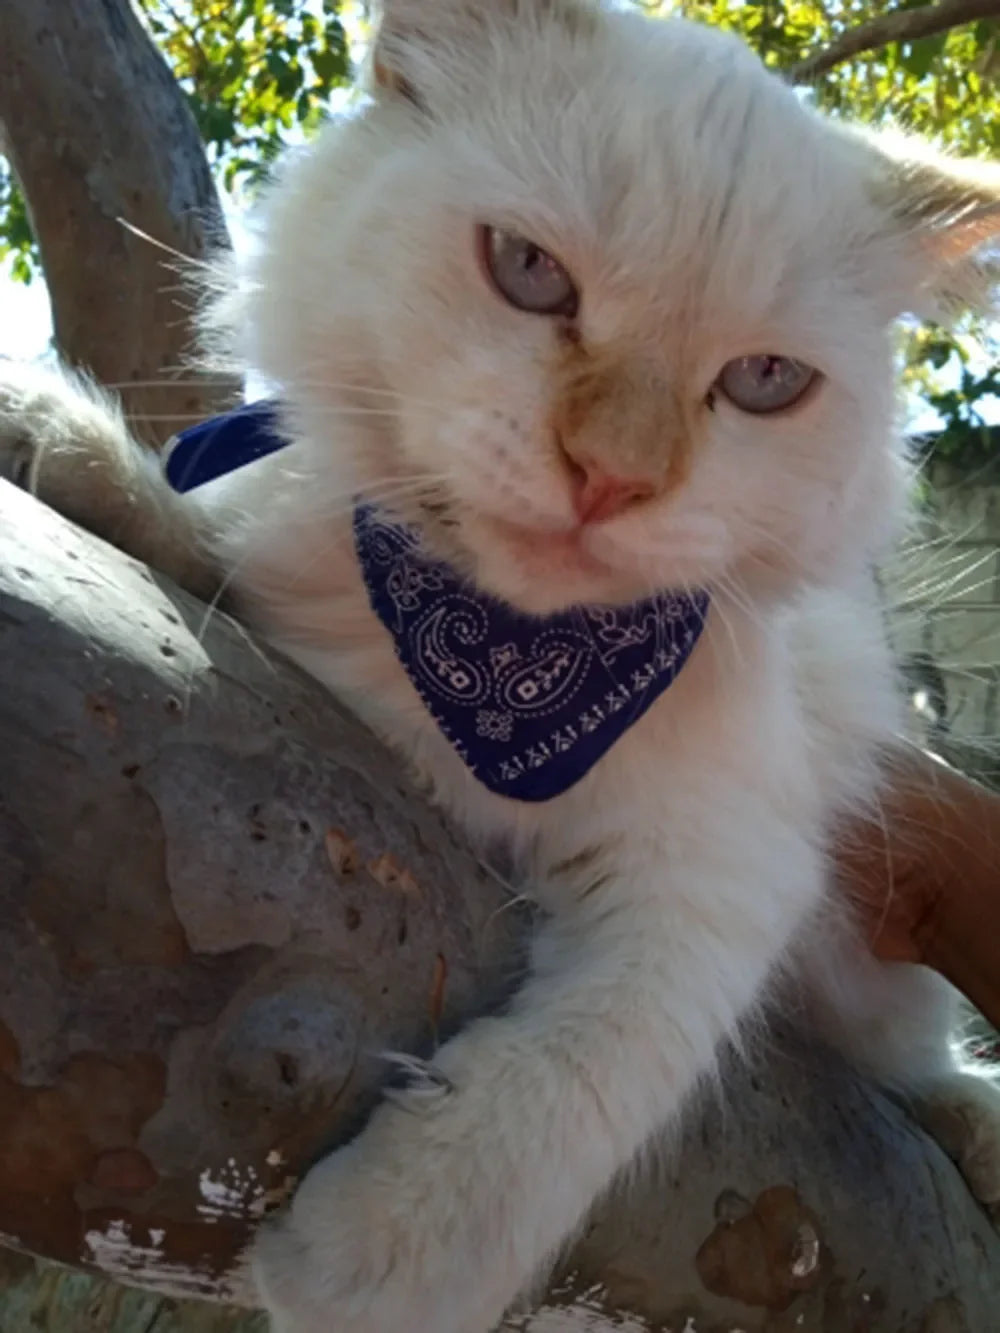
(542, 571)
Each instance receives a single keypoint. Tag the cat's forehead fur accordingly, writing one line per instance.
(704, 213)
(659, 161)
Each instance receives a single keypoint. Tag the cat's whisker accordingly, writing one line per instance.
(588, 629)
(719, 605)
(197, 381)
(183, 261)
(212, 610)
(338, 411)
(731, 588)
(929, 593)
(932, 569)
(323, 383)
(965, 671)
(343, 504)
(513, 903)
(914, 542)
(158, 418)
(193, 382)
(769, 540)
(424, 476)
(321, 553)
(413, 488)
(936, 544)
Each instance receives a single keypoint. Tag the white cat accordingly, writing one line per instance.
(598, 307)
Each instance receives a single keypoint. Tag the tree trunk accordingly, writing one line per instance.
(98, 131)
(219, 900)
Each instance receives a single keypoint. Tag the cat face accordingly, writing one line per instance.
(598, 304)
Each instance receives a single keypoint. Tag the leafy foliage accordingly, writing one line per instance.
(942, 85)
(17, 248)
(258, 73)
(254, 71)
(972, 382)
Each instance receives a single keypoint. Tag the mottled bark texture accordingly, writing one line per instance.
(98, 131)
(220, 899)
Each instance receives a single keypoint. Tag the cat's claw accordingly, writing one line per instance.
(963, 1114)
(59, 441)
(18, 445)
(383, 1237)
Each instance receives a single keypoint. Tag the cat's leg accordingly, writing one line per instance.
(441, 1211)
(65, 440)
(899, 1023)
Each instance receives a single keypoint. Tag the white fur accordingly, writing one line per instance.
(705, 214)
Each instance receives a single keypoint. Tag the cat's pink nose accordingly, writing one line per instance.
(599, 495)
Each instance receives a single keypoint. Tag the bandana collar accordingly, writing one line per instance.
(530, 703)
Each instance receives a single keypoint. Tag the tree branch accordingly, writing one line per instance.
(98, 130)
(900, 25)
(219, 902)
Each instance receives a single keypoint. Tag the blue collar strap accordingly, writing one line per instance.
(529, 703)
(222, 444)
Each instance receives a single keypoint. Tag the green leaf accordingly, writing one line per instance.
(918, 57)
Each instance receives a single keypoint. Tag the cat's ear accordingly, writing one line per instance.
(947, 210)
(425, 45)
(402, 54)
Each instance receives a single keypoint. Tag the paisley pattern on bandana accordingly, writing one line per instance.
(529, 703)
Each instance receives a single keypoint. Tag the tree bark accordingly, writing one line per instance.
(98, 131)
(219, 900)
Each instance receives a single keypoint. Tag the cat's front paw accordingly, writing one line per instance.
(963, 1114)
(396, 1232)
(18, 439)
(62, 441)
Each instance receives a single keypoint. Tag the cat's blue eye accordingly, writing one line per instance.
(525, 275)
(765, 383)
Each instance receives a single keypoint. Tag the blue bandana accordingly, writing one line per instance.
(530, 703)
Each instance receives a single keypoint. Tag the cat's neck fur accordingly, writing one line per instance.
(297, 574)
